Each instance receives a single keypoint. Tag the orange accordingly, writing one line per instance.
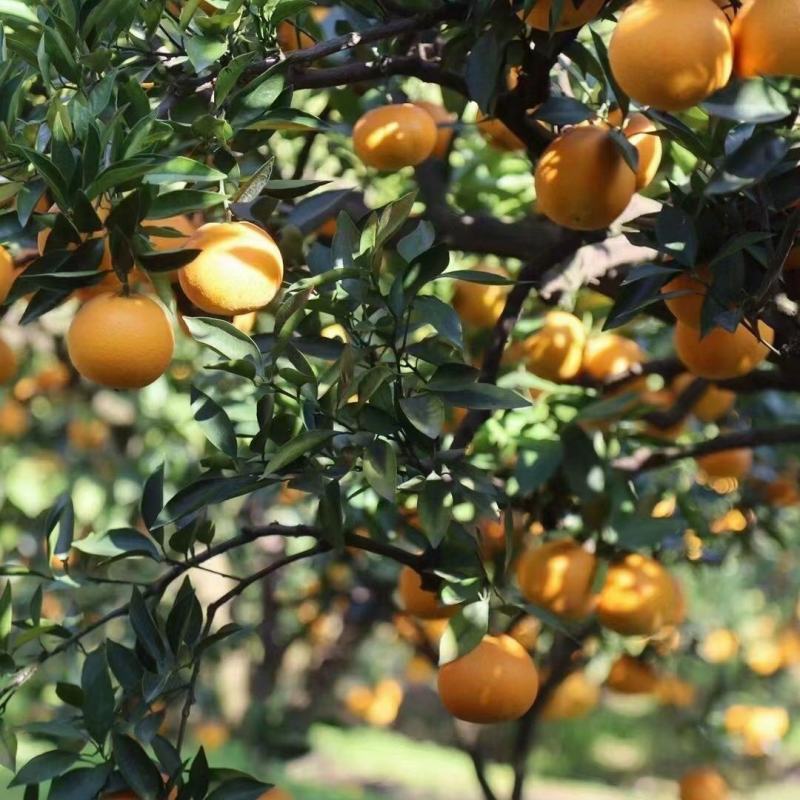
(575, 697)
(526, 631)
(495, 682)
(637, 596)
(672, 691)
(240, 268)
(558, 576)
(479, 304)
(582, 180)
(123, 342)
(328, 228)
(782, 492)
(498, 134)
(8, 273)
(629, 675)
(181, 223)
(14, 420)
(91, 434)
(54, 377)
(245, 322)
(642, 135)
(661, 401)
(671, 54)
(395, 136)
(764, 657)
(276, 793)
(703, 783)
(720, 355)
(444, 125)
(417, 601)
(212, 734)
(687, 307)
(572, 15)
(555, 351)
(8, 362)
(291, 38)
(712, 404)
(727, 463)
(766, 35)
(608, 355)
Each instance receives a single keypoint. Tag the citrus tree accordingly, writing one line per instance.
(497, 297)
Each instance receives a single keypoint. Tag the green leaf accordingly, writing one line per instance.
(286, 189)
(331, 514)
(286, 119)
(145, 627)
(16, 9)
(441, 316)
(44, 767)
(122, 172)
(464, 631)
(749, 101)
(435, 513)
(485, 396)
(229, 75)
(180, 169)
(80, 784)
(98, 705)
(208, 491)
(306, 444)
(139, 771)
(118, 543)
(183, 201)
(425, 412)
(125, 666)
(380, 468)
(240, 789)
(479, 276)
(6, 614)
(203, 51)
(419, 241)
(537, 462)
(563, 111)
(224, 338)
(216, 425)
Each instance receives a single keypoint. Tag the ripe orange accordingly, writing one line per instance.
(642, 134)
(276, 793)
(479, 304)
(181, 223)
(8, 273)
(609, 354)
(526, 631)
(395, 136)
(782, 492)
(558, 576)
(498, 134)
(495, 682)
(572, 15)
(291, 38)
(240, 268)
(720, 355)
(8, 362)
(555, 351)
(661, 401)
(727, 463)
(636, 597)
(582, 180)
(121, 342)
(766, 34)
(687, 308)
(444, 126)
(417, 601)
(703, 783)
(14, 419)
(629, 675)
(672, 691)
(671, 54)
(712, 404)
(575, 697)
(245, 322)
(87, 434)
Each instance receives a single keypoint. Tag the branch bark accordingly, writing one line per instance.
(646, 459)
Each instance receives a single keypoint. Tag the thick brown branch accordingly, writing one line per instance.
(646, 459)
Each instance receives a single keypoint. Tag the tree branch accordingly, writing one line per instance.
(646, 459)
